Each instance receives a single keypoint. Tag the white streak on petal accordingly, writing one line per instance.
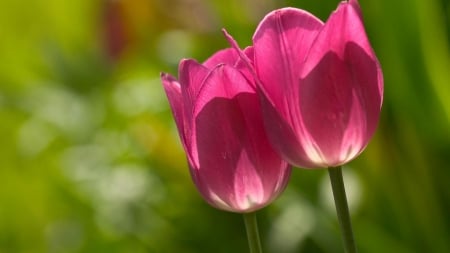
(219, 202)
(249, 190)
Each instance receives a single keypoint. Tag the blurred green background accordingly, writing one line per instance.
(90, 159)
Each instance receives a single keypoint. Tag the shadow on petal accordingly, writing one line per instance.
(340, 98)
(235, 166)
(283, 137)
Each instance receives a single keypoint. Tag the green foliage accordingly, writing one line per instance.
(90, 159)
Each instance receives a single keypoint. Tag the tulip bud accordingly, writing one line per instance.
(321, 85)
(218, 115)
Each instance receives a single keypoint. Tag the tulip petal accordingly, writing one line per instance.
(237, 167)
(173, 92)
(341, 88)
(191, 75)
(245, 62)
(281, 43)
(266, 161)
(243, 66)
(218, 134)
(226, 56)
(296, 151)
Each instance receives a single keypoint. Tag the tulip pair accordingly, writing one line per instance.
(306, 92)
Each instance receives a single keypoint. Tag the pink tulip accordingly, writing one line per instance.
(217, 112)
(321, 86)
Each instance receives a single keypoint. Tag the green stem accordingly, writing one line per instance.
(251, 225)
(340, 200)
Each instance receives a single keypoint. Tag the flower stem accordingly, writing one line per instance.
(251, 226)
(340, 200)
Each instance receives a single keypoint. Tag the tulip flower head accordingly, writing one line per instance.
(218, 115)
(320, 85)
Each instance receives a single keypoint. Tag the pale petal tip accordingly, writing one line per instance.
(242, 53)
(167, 78)
(230, 40)
(183, 62)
